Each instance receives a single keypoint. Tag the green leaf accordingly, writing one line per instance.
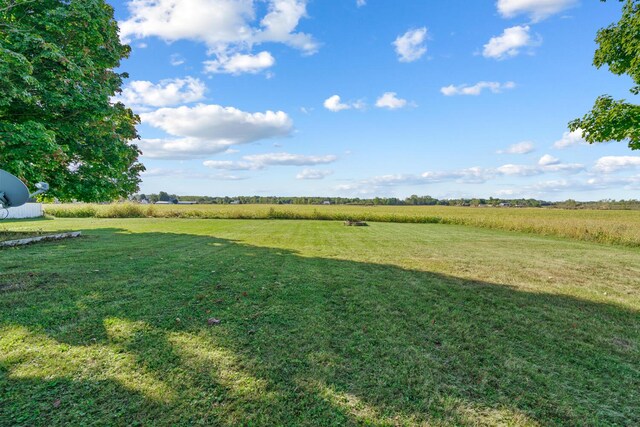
(57, 78)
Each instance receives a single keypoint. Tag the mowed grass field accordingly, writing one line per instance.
(604, 226)
(320, 325)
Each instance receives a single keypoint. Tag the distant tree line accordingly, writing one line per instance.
(412, 200)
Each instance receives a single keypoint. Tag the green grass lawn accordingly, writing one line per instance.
(602, 226)
(6, 234)
(321, 324)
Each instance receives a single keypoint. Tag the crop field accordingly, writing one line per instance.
(161, 321)
(605, 226)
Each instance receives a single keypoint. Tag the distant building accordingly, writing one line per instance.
(326, 202)
(187, 202)
(235, 202)
(162, 202)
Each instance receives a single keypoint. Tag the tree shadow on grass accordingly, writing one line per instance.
(113, 329)
(7, 234)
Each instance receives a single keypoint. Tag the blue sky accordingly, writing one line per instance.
(372, 98)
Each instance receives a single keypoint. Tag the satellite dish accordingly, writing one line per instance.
(13, 192)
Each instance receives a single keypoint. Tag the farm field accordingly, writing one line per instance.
(320, 324)
(605, 226)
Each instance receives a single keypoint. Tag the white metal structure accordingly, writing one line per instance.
(28, 210)
(14, 194)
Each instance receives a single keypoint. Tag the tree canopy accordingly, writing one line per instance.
(619, 49)
(57, 121)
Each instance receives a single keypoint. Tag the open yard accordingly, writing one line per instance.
(319, 324)
(604, 226)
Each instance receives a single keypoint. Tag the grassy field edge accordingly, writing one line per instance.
(611, 227)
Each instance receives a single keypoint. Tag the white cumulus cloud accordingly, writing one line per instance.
(188, 174)
(472, 175)
(411, 45)
(543, 188)
(141, 93)
(536, 9)
(610, 164)
(220, 24)
(229, 28)
(361, 3)
(378, 184)
(281, 159)
(230, 165)
(569, 139)
(313, 174)
(495, 87)
(548, 160)
(390, 101)
(280, 23)
(240, 63)
(520, 170)
(261, 161)
(334, 104)
(510, 42)
(523, 147)
(562, 167)
(546, 164)
(207, 129)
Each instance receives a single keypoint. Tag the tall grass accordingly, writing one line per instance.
(604, 226)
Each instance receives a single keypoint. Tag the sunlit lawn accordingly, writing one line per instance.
(8, 235)
(320, 324)
(603, 226)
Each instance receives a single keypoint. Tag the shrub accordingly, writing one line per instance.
(123, 210)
